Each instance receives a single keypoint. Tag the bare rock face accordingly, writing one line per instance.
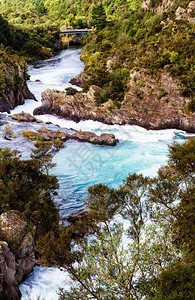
(164, 5)
(9, 285)
(13, 74)
(75, 41)
(153, 103)
(18, 262)
(13, 228)
(186, 14)
(157, 102)
(26, 247)
(23, 268)
(80, 79)
(11, 99)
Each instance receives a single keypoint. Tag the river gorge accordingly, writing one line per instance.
(80, 165)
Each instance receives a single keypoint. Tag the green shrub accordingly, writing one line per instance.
(191, 105)
(71, 91)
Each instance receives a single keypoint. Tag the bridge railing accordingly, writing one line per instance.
(75, 31)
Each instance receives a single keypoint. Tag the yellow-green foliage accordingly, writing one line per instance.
(140, 39)
(8, 129)
(80, 132)
(69, 13)
(29, 134)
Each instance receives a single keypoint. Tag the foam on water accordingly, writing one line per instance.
(53, 73)
(42, 282)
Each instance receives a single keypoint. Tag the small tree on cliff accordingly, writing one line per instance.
(98, 16)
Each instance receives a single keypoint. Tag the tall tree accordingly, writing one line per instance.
(98, 16)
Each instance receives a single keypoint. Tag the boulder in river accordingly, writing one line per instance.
(25, 117)
(81, 136)
(80, 79)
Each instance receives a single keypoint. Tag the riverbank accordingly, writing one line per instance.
(152, 103)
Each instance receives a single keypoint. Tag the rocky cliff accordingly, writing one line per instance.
(150, 102)
(16, 253)
(13, 76)
(165, 5)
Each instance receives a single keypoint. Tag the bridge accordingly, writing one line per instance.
(76, 32)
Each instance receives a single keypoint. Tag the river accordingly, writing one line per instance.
(80, 165)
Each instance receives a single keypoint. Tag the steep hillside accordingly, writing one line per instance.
(153, 38)
(74, 13)
(142, 67)
(16, 47)
(13, 76)
(156, 36)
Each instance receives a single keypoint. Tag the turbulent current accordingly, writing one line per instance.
(80, 165)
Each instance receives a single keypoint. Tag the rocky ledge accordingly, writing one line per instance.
(81, 136)
(15, 89)
(25, 117)
(80, 79)
(153, 103)
(17, 257)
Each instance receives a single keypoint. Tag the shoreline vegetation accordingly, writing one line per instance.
(138, 70)
(160, 208)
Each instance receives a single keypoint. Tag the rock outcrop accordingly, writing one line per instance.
(81, 136)
(186, 14)
(80, 79)
(165, 5)
(13, 89)
(153, 103)
(78, 215)
(17, 257)
(25, 117)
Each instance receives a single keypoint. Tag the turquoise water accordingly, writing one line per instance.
(81, 165)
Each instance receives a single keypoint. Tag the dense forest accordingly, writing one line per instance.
(154, 37)
(128, 35)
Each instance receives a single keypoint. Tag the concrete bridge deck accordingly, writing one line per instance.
(76, 32)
